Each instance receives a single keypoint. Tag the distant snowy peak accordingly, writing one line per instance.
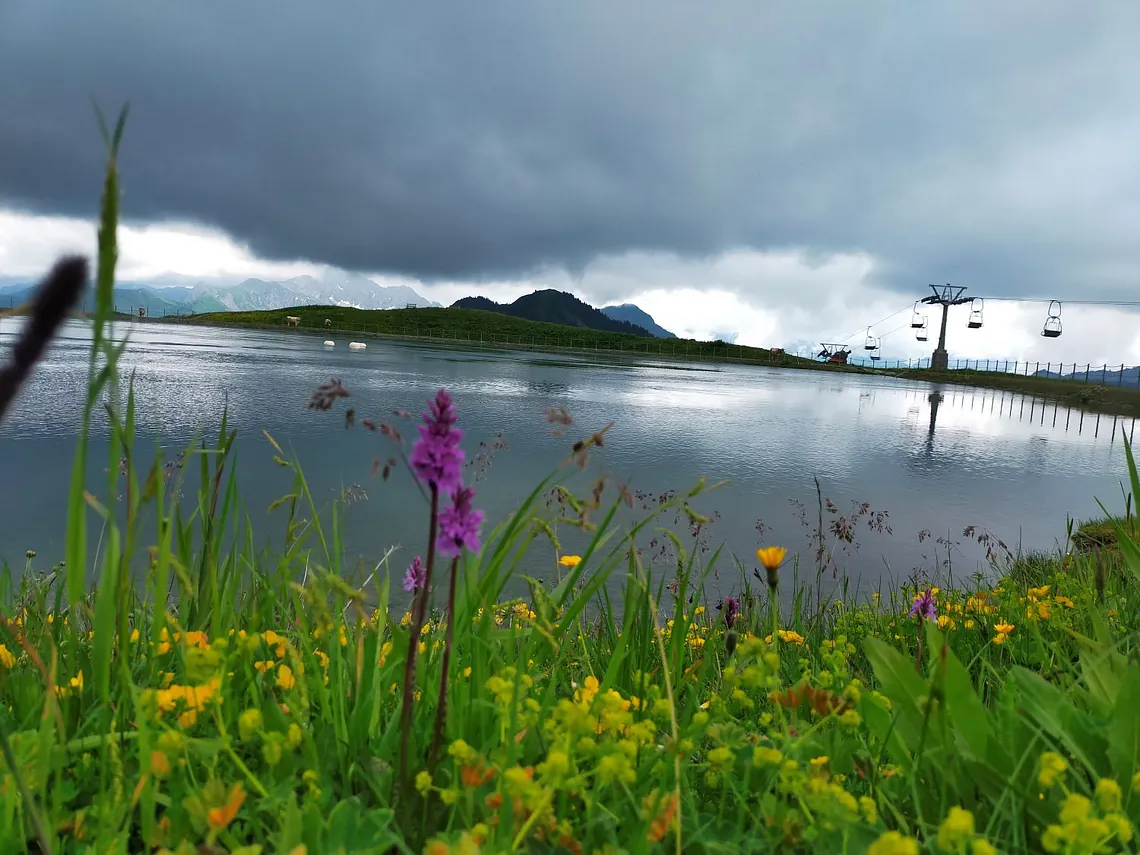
(335, 289)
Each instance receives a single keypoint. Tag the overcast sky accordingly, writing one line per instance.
(774, 171)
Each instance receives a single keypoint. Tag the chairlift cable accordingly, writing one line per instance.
(1119, 303)
(863, 329)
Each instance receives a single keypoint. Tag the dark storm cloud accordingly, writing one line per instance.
(955, 141)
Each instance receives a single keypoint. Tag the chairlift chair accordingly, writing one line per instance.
(922, 328)
(875, 353)
(869, 343)
(976, 306)
(1052, 328)
(917, 321)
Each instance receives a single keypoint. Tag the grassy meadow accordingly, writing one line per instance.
(486, 329)
(244, 702)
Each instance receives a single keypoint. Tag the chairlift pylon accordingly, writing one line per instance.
(917, 321)
(1052, 328)
(870, 343)
(923, 327)
(976, 306)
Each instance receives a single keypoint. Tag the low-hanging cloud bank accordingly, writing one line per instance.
(803, 302)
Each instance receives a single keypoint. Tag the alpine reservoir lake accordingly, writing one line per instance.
(919, 471)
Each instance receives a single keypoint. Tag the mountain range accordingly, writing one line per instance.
(1103, 376)
(633, 315)
(333, 289)
(561, 307)
(338, 288)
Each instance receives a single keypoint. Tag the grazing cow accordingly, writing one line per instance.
(292, 321)
(328, 324)
(777, 351)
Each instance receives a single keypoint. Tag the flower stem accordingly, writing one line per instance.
(441, 706)
(419, 610)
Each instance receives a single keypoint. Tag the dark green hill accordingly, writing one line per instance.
(554, 307)
(484, 327)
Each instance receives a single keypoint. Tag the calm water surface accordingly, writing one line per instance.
(1003, 463)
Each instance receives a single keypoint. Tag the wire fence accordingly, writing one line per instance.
(1103, 374)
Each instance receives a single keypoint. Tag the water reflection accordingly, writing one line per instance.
(960, 426)
(933, 456)
(992, 405)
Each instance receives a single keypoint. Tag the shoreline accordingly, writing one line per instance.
(1090, 397)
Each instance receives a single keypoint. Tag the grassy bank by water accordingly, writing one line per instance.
(474, 328)
(245, 700)
(1113, 400)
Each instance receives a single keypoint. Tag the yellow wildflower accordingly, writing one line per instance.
(956, 829)
(461, 751)
(570, 560)
(285, 678)
(1108, 795)
(771, 557)
(275, 641)
(249, 723)
(7, 660)
(790, 636)
(1053, 766)
(197, 639)
(893, 843)
(1003, 630)
(1038, 611)
(762, 756)
(1075, 808)
(423, 782)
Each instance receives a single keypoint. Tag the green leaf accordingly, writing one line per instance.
(1056, 714)
(895, 673)
(1123, 731)
(969, 717)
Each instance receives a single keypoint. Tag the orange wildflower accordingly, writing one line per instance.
(221, 817)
